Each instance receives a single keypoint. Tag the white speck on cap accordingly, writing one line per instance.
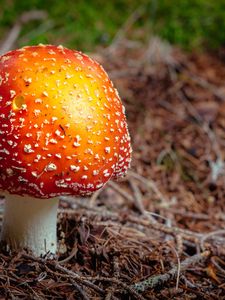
(28, 148)
(74, 168)
(107, 149)
(51, 167)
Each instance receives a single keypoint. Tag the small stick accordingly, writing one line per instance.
(217, 261)
(17, 27)
(187, 234)
(94, 197)
(79, 289)
(151, 184)
(178, 265)
(179, 241)
(72, 254)
(137, 196)
(189, 214)
(116, 281)
(120, 191)
(209, 235)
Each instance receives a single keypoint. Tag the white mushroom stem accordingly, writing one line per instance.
(30, 223)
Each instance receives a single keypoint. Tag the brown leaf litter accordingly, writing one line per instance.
(160, 233)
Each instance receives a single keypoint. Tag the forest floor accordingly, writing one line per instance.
(159, 234)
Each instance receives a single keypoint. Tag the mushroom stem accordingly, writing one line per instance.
(30, 223)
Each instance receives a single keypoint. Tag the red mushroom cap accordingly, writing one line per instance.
(62, 125)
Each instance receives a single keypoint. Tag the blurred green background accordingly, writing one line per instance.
(84, 25)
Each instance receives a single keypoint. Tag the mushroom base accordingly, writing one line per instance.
(30, 223)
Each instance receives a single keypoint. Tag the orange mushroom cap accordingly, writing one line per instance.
(63, 130)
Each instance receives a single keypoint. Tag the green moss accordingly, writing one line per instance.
(191, 23)
(86, 24)
(79, 24)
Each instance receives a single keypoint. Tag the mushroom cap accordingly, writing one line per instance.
(63, 130)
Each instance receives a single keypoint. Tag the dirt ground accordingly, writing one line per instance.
(159, 234)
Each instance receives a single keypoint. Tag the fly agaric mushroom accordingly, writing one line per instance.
(63, 131)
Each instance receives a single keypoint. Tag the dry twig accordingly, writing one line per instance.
(155, 281)
(211, 235)
(120, 284)
(151, 184)
(14, 33)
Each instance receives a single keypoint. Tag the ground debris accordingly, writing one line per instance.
(160, 233)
